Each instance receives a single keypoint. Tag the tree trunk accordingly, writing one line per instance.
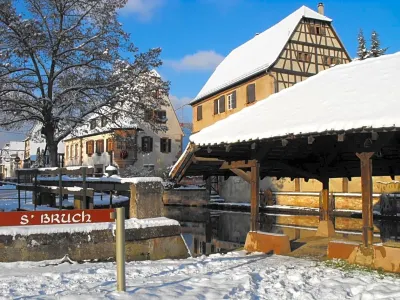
(53, 154)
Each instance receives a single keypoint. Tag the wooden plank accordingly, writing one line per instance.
(55, 190)
(255, 196)
(240, 164)
(242, 174)
(366, 191)
(197, 159)
(56, 171)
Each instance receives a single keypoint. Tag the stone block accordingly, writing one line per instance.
(267, 242)
(146, 200)
(325, 229)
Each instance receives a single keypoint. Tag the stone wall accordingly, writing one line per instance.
(146, 200)
(144, 243)
(188, 197)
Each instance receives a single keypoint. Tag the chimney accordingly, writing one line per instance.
(321, 9)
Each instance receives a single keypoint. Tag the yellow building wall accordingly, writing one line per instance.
(335, 185)
(264, 86)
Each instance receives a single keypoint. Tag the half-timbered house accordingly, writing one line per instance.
(299, 46)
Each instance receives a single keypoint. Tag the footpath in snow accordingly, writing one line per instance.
(231, 276)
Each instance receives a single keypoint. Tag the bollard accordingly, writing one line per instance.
(119, 217)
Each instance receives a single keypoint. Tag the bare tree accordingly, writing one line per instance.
(65, 60)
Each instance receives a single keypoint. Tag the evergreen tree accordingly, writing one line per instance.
(362, 51)
(376, 49)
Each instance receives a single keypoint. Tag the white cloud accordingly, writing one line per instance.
(199, 61)
(144, 9)
(179, 102)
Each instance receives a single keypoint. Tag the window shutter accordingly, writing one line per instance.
(216, 107)
(199, 113)
(222, 104)
(234, 99)
(251, 93)
(169, 145)
(151, 144)
(162, 145)
(87, 148)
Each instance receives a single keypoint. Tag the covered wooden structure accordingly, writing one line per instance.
(340, 123)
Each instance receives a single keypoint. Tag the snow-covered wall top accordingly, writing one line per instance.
(352, 96)
(257, 54)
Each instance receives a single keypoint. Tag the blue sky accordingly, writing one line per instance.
(196, 35)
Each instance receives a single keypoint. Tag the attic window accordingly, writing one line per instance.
(301, 56)
(114, 117)
(93, 124)
(331, 60)
(316, 29)
(104, 121)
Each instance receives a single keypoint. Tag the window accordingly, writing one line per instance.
(199, 113)
(316, 29)
(114, 117)
(219, 105)
(67, 152)
(165, 145)
(251, 93)
(93, 124)
(148, 115)
(72, 152)
(301, 56)
(76, 151)
(89, 147)
(157, 94)
(331, 60)
(161, 116)
(110, 145)
(231, 100)
(147, 144)
(99, 146)
(104, 121)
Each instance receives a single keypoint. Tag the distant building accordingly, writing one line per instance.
(100, 144)
(12, 157)
(35, 145)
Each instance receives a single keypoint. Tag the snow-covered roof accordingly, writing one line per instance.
(257, 54)
(361, 94)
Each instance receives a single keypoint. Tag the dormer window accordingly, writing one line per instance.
(93, 124)
(104, 121)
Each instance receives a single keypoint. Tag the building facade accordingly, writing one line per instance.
(298, 47)
(12, 157)
(129, 146)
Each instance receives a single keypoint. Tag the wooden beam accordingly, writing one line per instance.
(242, 174)
(55, 190)
(197, 159)
(240, 164)
(367, 205)
(255, 197)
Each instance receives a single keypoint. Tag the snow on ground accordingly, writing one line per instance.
(230, 276)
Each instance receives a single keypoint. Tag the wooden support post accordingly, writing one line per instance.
(255, 202)
(366, 190)
(324, 201)
(111, 199)
(35, 191)
(345, 185)
(297, 185)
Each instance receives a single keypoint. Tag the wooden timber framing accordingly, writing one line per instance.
(255, 199)
(324, 208)
(367, 205)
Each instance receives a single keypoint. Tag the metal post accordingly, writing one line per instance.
(367, 205)
(19, 191)
(255, 170)
(60, 196)
(35, 191)
(111, 198)
(84, 200)
(120, 248)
